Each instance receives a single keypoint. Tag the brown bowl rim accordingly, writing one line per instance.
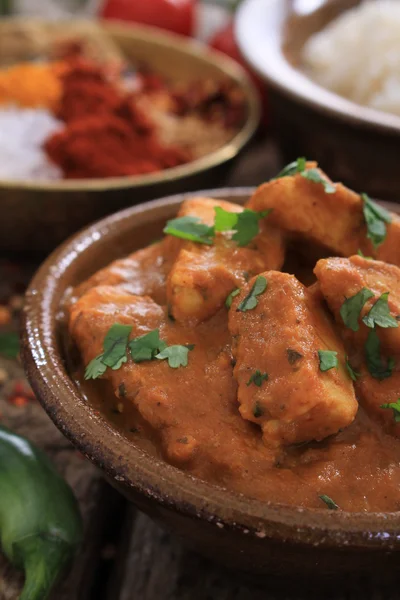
(263, 51)
(228, 151)
(131, 467)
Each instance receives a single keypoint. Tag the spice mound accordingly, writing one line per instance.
(96, 120)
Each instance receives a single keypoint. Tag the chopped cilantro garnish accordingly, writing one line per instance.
(298, 166)
(258, 410)
(351, 308)
(353, 374)
(376, 218)
(224, 219)
(245, 224)
(327, 360)
(380, 314)
(293, 356)
(114, 345)
(190, 228)
(375, 362)
(9, 344)
(315, 176)
(250, 301)
(114, 351)
(232, 295)
(395, 406)
(146, 346)
(177, 356)
(95, 368)
(257, 378)
(329, 502)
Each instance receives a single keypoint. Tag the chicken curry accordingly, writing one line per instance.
(222, 357)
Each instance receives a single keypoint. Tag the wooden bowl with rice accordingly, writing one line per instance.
(352, 137)
(37, 214)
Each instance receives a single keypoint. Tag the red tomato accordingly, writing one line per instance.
(224, 41)
(175, 15)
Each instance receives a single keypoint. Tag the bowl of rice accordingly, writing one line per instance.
(95, 118)
(332, 68)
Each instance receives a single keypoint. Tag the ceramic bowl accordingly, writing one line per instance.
(36, 216)
(248, 534)
(347, 139)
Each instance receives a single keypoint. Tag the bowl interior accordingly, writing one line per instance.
(179, 59)
(45, 361)
(271, 35)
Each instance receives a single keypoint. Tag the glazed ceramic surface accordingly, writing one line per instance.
(236, 530)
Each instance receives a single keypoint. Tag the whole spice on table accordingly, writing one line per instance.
(106, 133)
(40, 524)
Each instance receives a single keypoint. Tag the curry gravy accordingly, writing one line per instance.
(190, 416)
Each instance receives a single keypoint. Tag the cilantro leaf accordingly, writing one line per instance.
(245, 224)
(298, 166)
(146, 347)
(250, 301)
(395, 406)
(327, 360)
(351, 308)
(375, 362)
(329, 502)
(258, 410)
(376, 218)
(95, 368)
(9, 344)
(247, 227)
(293, 356)
(315, 176)
(115, 344)
(232, 295)
(380, 314)
(190, 228)
(353, 374)
(224, 219)
(177, 356)
(257, 378)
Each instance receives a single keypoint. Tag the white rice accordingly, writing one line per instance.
(23, 132)
(358, 55)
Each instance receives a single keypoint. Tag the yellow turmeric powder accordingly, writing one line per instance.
(32, 85)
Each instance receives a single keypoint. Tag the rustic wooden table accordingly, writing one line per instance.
(125, 556)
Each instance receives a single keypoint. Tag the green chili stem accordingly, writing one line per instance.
(44, 560)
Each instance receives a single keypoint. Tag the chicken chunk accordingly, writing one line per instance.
(332, 220)
(162, 396)
(97, 310)
(143, 273)
(203, 276)
(276, 348)
(341, 278)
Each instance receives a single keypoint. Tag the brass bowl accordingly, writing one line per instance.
(36, 216)
(261, 537)
(353, 143)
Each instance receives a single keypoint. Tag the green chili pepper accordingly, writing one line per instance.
(40, 524)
